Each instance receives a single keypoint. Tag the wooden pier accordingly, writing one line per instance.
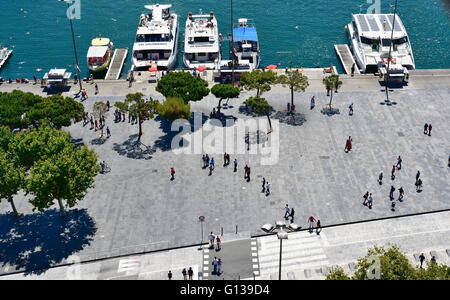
(118, 60)
(346, 58)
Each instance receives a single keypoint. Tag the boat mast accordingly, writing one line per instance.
(390, 51)
(232, 44)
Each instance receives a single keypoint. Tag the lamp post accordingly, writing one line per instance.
(232, 44)
(74, 46)
(282, 230)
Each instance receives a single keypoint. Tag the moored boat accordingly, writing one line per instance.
(99, 55)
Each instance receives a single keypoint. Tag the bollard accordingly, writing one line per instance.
(236, 229)
(221, 231)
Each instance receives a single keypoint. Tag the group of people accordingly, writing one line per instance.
(216, 239)
(265, 187)
(427, 129)
(290, 108)
(185, 274)
(84, 95)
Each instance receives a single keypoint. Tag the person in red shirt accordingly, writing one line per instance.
(172, 173)
(311, 221)
(218, 243)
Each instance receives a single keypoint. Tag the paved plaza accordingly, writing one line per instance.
(136, 207)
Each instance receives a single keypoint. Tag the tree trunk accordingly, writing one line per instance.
(61, 207)
(140, 126)
(270, 123)
(257, 93)
(331, 98)
(292, 96)
(11, 201)
(219, 106)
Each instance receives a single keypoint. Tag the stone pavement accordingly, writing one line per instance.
(136, 207)
(306, 255)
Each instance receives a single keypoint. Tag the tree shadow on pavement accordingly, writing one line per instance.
(35, 242)
(134, 148)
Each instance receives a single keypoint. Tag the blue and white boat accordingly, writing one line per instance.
(246, 44)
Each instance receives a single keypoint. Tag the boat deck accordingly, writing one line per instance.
(346, 58)
(118, 60)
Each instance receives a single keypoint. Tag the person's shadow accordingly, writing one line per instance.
(35, 242)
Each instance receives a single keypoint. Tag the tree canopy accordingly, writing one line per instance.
(259, 80)
(296, 82)
(183, 85)
(260, 106)
(135, 104)
(20, 110)
(173, 109)
(224, 91)
(394, 265)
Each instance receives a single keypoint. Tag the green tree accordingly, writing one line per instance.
(173, 109)
(331, 83)
(296, 82)
(183, 85)
(64, 174)
(224, 91)
(14, 107)
(59, 111)
(136, 105)
(259, 80)
(99, 111)
(12, 175)
(394, 265)
(261, 107)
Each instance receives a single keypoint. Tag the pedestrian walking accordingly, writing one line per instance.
(204, 161)
(391, 193)
(219, 265)
(92, 122)
(218, 243)
(370, 202)
(393, 172)
(348, 145)
(96, 125)
(210, 169)
(225, 159)
(248, 174)
(215, 263)
(245, 172)
(267, 189)
(212, 162)
(318, 227)
(311, 221)
(108, 104)
(287, 212)
(288, 107)
(429, 129)
(353, 69)
(172, 173)
(291, 215)
(399, 163)
(380, 178)
(169, 275)
(263, 185)
(366, 197)
(235, 165)
(211, 240)
(350, 110)
(108, 132)
(417, 175)
(419, 185)
(184, 272)
(96, 89)
(313, 103)
(207, 160)
(425, 128)
(85, 94)
(421, 259)
(190, 273)
(400, 193)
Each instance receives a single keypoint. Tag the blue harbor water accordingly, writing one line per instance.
(39, 31)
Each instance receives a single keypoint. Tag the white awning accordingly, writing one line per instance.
(97, 51)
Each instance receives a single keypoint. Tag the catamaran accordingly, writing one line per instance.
(201, 43)
(99, 55)
(370, 42)
(246, 44)
(156, 38)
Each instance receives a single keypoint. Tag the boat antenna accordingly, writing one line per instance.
(390, 51)
(360, 8)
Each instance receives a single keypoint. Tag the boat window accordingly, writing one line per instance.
(386, 42)
(368, 41)
(401, 41)
(201, 39)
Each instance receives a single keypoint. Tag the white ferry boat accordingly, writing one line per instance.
(201, 43)
(370, 42)
(5, 53)
(156, 38)
(246, 44)
(99, 55)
